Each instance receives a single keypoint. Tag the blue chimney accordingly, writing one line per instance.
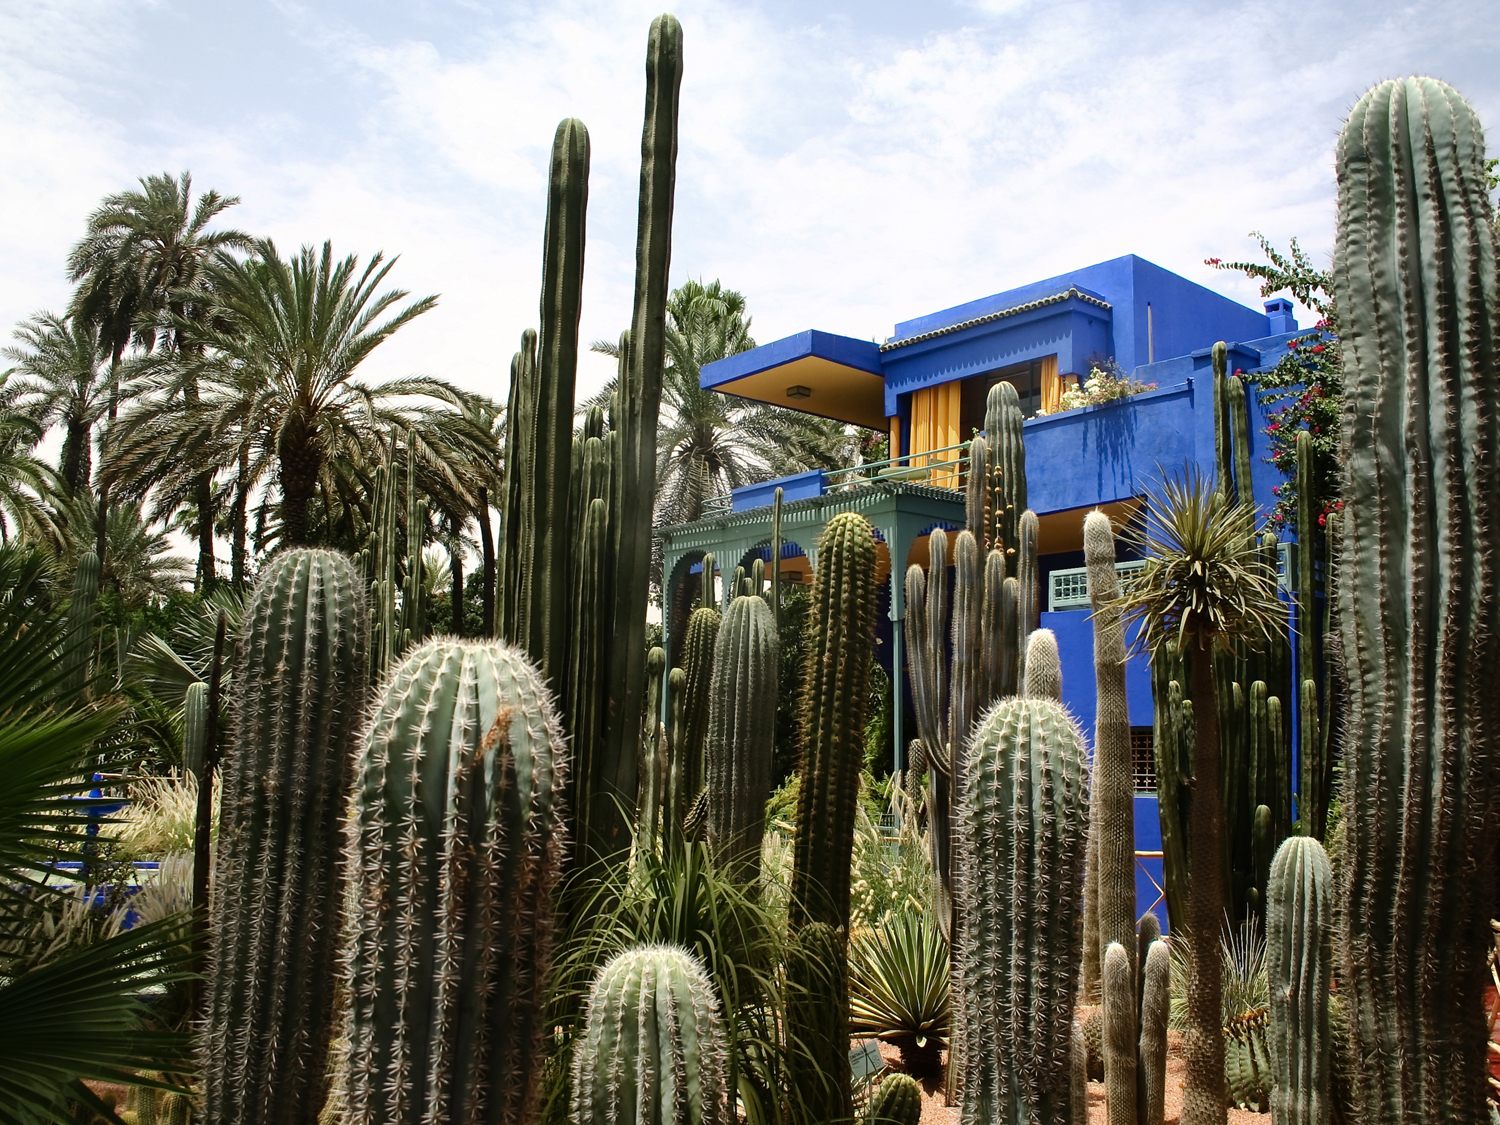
(1279, 314)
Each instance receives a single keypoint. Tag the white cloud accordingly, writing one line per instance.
(842, 174)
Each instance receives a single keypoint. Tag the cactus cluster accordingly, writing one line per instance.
(298, 687)
(653, 1050)
(1415, 278)
(396, 623)
(454, 849)
(1022, 832)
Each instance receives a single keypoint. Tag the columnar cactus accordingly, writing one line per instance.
(831, 731)
(1021, 836)
(1299, 956)
(1120, 1044)
(298, 686)
(1006, 459)
(742, 732)
(195, 728)
(1414, 275)
(655, 762)
(1112, 790)
(1028, 584)
(896, 1101)
(454, 848)
(1156, 1002)
(1311, 805)
(1043, 666)
(653, 1049)
(637, 404)
(687, 741)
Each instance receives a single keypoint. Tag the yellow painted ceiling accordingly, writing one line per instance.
(1063, 531)
(845, 394)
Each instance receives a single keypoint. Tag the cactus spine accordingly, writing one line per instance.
(653, 1049)
(688, 739)
(1120, 1044)
(831, 730)
(298, 687)
(1414, 276)
(1156, 1002)
(454, 847)
(1022, 839)
(1007, 468)
(742, 732)
(897, 1101)
(1043, 666)
(81, 610)
(1299, 956)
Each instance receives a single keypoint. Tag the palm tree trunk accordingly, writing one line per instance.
(1203, 1101)
(77, 456)
(298, 462)
(487, 585)
(203, 500)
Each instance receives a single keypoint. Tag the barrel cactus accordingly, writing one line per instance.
(454, 847)
(1415, 278)
(653, 1048)
(896, 1101)
(1299, 955)
(299, 674)
(742, 732)
(1021, 841)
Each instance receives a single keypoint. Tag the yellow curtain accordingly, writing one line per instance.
(895, 437)
(1052, 387)
(935, 426)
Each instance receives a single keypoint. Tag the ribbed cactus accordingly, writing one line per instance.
(654, 760)
(194, 728)
(1156, 1003)
(177, 1109)
(454, 847)
(653, 1048)
(1006, 461)
(1247, 1060)
(742, 733)
(298, 692)
(1021, 844)
(817, 991)
(1312, 803)
(397, 584)
(688, 737)
(1120, 1043)
(896, 1101)
(1043, 666)
(81, 611)
(1172, 736)
(1299, 965)
(1028, 584)
(1414, 275)
(831, 724)
(637, 404)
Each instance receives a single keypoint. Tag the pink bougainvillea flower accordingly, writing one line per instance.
(1317, 349)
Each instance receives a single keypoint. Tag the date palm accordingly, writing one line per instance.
(63, 382)
(1204, 588)
(140, 270)
(25, 481)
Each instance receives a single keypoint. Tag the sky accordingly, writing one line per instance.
(845, 165)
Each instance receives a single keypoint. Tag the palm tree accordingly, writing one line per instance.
(1204, 588)
(709, 442)
(62, 383)
(276, 364)
(140, 269)
(25, 481)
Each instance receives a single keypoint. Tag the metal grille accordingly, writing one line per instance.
(1069, 589)
(1143, 758)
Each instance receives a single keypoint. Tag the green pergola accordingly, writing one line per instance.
(901, 512)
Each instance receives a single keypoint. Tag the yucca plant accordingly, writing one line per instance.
(1204, 587)
(898, 990)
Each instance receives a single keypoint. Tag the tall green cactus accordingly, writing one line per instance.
(454, 846)
(1007, 469)
(194, 728)
(1415, 278)
(1299, 963)
(655, 760)
(831, 725)
(1312, 804)
(1028, 585)
(688, 739)
(81, 612)
(637, 404)
(298, 697)
(397, 582)
(740, 746)
(654, 1044)
(1022, 840)
(1043, 666)
(1156, 1002)
(1173, 735)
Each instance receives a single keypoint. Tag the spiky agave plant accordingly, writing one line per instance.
(1204, 586)
(898, 990)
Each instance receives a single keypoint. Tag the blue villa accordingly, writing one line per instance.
(926, 387)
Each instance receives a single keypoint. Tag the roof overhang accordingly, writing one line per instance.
(843, 377)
